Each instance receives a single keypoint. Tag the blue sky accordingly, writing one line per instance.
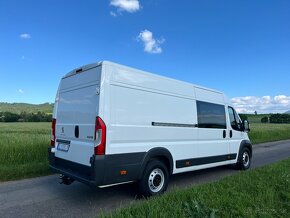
(241, 47)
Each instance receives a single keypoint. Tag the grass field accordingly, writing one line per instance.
(23, 150)
(269, 132)
(23, 146)
(263, 192)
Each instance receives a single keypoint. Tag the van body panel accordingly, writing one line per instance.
(203, 94)
(128, 125)
(137, 78)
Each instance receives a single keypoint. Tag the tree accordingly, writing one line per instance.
(25, 117)
(1, 117)
(280, 118)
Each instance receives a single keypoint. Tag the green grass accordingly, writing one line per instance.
(23, 146)
(269, 132)
(23, 150)
(263, 192)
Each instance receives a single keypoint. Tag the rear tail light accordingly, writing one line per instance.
(100, 137)
(53, 124)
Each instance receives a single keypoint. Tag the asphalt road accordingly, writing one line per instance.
(44, 197)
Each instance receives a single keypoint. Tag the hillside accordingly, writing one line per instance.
(24, 107)
(287, 112)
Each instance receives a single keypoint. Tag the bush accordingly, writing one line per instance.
(265, 120)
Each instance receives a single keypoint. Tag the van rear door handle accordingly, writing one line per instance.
(224, 134)
(231, 133)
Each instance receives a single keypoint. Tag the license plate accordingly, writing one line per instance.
(63, 147)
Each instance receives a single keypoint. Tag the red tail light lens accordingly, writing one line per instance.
(53, 124)
(100, 137)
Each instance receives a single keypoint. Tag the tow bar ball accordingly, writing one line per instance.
(65, 180)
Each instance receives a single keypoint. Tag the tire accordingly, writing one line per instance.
(154, 180)
(244, 159)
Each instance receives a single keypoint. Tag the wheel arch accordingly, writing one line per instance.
(246, 144)
(159, 153)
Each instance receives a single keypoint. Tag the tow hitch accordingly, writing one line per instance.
(65, 180)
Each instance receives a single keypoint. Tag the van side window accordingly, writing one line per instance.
(211, 115)
(235, 121)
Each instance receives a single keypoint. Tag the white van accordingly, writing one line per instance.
(114, 124)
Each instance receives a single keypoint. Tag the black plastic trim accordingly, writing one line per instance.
(79, 70)
(74, 170)
(158, 153)
(104, 169)
(77, 131)
(224, 134)
(115, 163)
(204, 160)
(248, 144)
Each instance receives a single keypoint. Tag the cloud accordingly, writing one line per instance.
(264, 104)
(113, 14)
(126, 5)
(20, 91)
(25, 36)
(151, 45)
(282, 99)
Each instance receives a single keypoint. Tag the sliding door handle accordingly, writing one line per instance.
(231, 133)
(224, 134)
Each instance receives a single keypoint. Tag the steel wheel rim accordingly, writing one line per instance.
(246, 159)
(156, 180)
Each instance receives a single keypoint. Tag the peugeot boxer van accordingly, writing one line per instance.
(113, 124)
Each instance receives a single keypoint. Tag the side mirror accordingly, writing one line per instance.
(246, 126)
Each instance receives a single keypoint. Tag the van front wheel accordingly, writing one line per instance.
(154, 180)
(244, 160)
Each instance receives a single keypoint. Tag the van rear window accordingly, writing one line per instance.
(211, 115)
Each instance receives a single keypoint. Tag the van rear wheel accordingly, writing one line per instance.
(154, 180)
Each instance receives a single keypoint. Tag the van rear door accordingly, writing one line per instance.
(76, 112)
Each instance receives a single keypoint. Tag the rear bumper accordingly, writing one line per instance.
(104, 169)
